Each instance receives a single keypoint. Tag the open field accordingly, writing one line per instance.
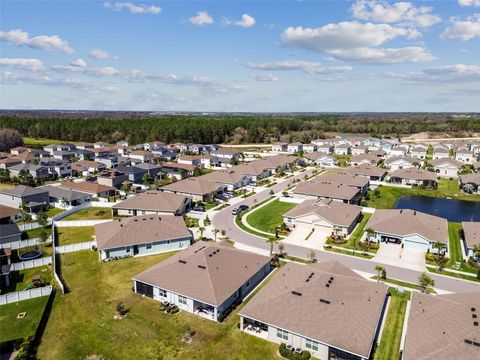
(269, 217)
(39, 143)
(146, 333)
(389, 346)
(74, 234)
(91, 213)
(21, 328)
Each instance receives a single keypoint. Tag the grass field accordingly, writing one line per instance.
(23, 278)
(389, 195)
(269, 217)
(53, 212)
(389, 347)
(34, 233)
(39, 143)
(74, 235)
(82, 324)
(91, 213)
(21, 328)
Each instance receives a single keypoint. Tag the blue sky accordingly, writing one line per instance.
(363, 55)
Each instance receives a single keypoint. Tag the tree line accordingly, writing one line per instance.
(229, 128)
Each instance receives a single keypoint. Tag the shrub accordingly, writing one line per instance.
(374, 246)
(292, 355)
(430, 257)
(222, 316)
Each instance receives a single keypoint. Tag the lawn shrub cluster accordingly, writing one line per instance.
(292, 355)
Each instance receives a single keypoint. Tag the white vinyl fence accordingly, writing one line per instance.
(23, 243)
(71, 211)
(62, 249)
(25, 295)
(68, 223)
(28, 226)
(28, 264)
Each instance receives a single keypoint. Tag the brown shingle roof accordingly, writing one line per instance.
(7, 211)
(208, 272)
(405, 222)
(88, 187)
(471, 230)
(139, 230)
(327, 189)
(196, 186)
(153, 201)
(438, 327)
(350, 319)
(471, 178)
(414, 174)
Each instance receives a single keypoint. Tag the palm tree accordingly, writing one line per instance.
(215, 232)
(336, 230)
(64, 202)
(201, 229)
(380, 271)
(312, 256)
(271, 240)
(425, 282)
(370, 232)
(439, 246)
(281, 248)
(476, 251)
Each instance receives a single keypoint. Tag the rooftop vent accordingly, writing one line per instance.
(182, 261)
(296, 293)
(475, 323)
(325, 301)
(473, 309)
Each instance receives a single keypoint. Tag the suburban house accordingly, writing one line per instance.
(320, 215)
(230, 179)
(205, 279)
(226, 153)
(253, 171)
(141, 235)
(327, 190)
(440, 152)
(442, 327)
(373, 173)
(401, 162)
(142, 155)
(324, 308)
(345, 178)
(90, 188)
(153, 202)
(419, 152)
(413, 229)
(325, 148)
(177, 170)
(57, 168)
(295, 147)
(471, 236)
(134, 174)
(197, 188)
(368, 159)
(357, 150)
(464, 155)
(36, 171)
(61, 196)
(414, 176)
(309, 148)
(446, 167)
(111, 178)
(9, 214)
(472, 179)
(398, 151)
(87, 167)
(342, 149)
(320, 159)
(154, 170)
(280, 147)
(36, 199)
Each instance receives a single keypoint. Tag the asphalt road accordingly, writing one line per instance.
(224, 220)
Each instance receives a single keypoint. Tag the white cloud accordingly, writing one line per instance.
(133, 8)
(310, 67)
(462, 29)
(246, 21)
(79, 63)
(465, 3)
(353, 41)
(94, 71)
(447, 73)
(100, 54)
(201, 18)
(41, 42)
(265, 77)
(401, 13)
(23, 63)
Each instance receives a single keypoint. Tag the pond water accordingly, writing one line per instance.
(450, 209)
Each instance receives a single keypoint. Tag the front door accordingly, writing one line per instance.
(135, 250)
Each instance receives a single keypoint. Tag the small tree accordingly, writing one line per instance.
(147, 179)
(271, 240)
(281, 248)
(63, 202)
(201, 229)
(197, 172)
(440, 247)
(370, 232)
(380, 272)
(215, 232)
(120, 308)
(425, 282)
(441, 261)
(476, 252)
(312, 256)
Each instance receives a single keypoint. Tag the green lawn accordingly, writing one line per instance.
(22, 279)
(454, 242)
(389, 195)
(21, 328)
(39, 143)
(269, 217)
(238, 221)
(35, 233)
(354, 239)
(74, 234)
(83, 319)
(342, 159)
(389, 347)
(53, 212)
(452, 274)
(91, 213)
(357, 253)
(403, 284)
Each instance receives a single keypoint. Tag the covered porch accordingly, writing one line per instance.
(204, 310)
(254, 327)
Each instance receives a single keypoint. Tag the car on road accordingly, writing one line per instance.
(235, 211)
(243, 208)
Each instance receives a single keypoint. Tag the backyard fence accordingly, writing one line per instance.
(25, 295)
(28, 226)
(68, 223)
(62, 249)
(28, 264)
(23, 243)
(71, 211)
(57, 265)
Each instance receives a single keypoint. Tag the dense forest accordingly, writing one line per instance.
(225, 128)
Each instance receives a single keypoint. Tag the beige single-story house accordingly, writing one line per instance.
(324, 308)
(327, 190)
(446, 167)
(471, 236)
(414, 177)
(197, 188)
(472, 179)
(153, 202)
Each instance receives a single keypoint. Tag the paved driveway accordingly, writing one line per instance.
(393, 254)
(299, 234)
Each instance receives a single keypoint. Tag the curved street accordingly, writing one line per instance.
(224, 220)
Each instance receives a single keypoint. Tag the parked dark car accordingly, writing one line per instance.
(243, 208)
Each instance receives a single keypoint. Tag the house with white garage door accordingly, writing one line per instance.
(409, 228)
(325, 216)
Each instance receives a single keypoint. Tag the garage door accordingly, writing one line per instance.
(415, 245)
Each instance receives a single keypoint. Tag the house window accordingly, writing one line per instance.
(312, 345)
(127, 249)
(162, 292)
(182, 299)
(282, 334)
(149, 246)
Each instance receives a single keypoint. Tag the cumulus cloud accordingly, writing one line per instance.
(100, 54)
(41, 42)
(446, 73)
(201, 18)
(79, 63)
(356, 42)
(401, 13)
(23, 63)
(465, 3)
(265, 77)
(132, 8)
(310, 67)
(463, 30)
(246, 21)
(94, 71)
